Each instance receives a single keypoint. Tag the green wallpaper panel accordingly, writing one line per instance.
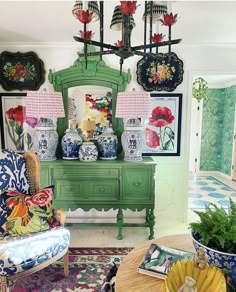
(228, 130)
(212, 128)
(217, 130)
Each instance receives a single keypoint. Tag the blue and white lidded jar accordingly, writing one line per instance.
(88, 152)
(70, 144)
(107, 145)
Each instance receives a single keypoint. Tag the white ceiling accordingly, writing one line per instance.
(208, 22)
(199, 23)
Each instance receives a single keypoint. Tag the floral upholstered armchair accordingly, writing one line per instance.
(31, 238)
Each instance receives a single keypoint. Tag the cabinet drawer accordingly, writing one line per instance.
(85, 190)
(71, 172)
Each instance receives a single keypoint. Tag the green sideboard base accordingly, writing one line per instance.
(103, 185)
(119, 234)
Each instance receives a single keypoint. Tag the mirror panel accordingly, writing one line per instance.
(90, 106)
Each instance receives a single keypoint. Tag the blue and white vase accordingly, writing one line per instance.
(107, 145)
(88, 152)
(70, 144)
(46, 139)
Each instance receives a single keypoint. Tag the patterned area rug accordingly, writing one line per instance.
(87, 272)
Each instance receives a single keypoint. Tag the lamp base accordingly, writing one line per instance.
(132, 141)
(46, 140)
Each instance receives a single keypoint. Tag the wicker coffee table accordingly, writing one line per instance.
(129, 280)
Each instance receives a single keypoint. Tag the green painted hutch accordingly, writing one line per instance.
(102, 185)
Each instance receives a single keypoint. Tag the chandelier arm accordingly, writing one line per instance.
(150, 33)
(108, 52)
(85, 48)
(169, 33)
(140, 53)
(121, 64)
(101, 27)
(95, 43)
(145, 26)
(160, 44)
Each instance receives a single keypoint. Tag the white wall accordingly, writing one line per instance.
(208, 46)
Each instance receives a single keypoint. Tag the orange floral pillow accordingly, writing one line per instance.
(27, 213)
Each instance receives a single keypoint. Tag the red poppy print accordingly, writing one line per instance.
(161, 117)
(152, 140)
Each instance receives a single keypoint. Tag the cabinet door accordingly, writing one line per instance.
(137, 184)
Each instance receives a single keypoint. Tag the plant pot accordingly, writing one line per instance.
(223, 260)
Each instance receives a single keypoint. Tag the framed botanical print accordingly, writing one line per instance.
(21, 71)
(17, 130)
(162, 131)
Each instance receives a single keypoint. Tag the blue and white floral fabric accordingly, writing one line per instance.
(19, 254)
(13, 176)
(13, 173)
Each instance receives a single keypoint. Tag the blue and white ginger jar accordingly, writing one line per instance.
(70, 144)
(88, 152)
(107, 145)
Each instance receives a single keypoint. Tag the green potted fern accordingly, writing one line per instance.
(216, 233)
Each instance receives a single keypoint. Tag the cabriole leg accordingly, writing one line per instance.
(119, 221)
(151, 220)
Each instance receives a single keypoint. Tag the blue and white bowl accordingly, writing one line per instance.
(223, 260)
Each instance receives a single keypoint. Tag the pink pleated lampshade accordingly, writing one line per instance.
(70, 108)
(133, 104)
(44, 104)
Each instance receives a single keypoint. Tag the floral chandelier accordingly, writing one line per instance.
(200, 89)
(123, 20)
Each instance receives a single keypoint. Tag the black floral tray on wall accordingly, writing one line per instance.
(22, 71)
(160, 72)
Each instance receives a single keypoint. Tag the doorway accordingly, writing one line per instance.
(208, 151)
(205, 172)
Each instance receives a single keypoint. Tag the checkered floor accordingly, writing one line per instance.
(204, 190)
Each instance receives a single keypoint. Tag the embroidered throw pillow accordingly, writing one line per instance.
(25, 213)
(13, 172)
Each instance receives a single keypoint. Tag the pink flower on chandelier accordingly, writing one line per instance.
(119, 44)
(84, 16)
(128, 7)
(169, 19)
(88, 34)
(157, 37)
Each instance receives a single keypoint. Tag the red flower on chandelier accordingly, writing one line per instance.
(169, 19)
(84, 16)
(119, 44)
(88, 34)
(157, 37)
(128, 7)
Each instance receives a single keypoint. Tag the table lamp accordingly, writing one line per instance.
(89, 127)
(45, 106)
(132, 106)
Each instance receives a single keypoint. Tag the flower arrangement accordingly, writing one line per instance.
(159, 73)
(163, 136)
(99, 109)
(15, 118)
(19, 72)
